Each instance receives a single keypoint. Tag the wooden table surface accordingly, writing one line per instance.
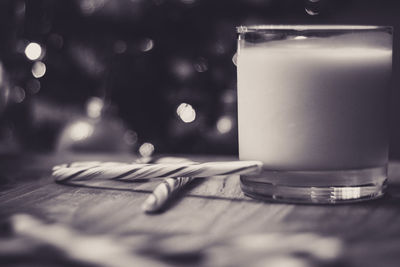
(210, 223)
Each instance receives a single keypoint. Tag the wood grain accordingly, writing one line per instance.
(211, 223)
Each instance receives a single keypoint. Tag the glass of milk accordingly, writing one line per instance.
(313, 106)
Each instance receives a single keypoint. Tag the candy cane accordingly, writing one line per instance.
(125, 171)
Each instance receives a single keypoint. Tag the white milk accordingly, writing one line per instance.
(315, 103)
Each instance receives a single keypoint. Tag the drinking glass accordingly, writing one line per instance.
(313, 106)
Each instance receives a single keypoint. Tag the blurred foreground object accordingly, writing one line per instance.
(70, 246)
(97, 250)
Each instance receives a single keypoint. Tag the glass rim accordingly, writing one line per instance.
(310, 27)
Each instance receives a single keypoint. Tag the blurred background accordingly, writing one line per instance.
(143, 76)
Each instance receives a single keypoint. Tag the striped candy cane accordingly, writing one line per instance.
(126, 172)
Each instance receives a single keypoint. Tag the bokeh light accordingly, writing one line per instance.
(311, 12)
(4, 90)
(80, 130)
(20, 8)
(56, 40)
(38, 69)
(1, 74)
(120, 47)
(186, 112)
(146, 45)
(219, 48)
(33, 51)
(201, 65)
(130, 137)
(88, 7)
(18, 94)
(224, 124)
(312, 7)
(182, 68)
(94, 107)
(146, 149)
(33, 86)
(229, 96)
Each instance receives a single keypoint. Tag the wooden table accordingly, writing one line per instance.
(211, 223)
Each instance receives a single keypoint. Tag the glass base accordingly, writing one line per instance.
(318, 187)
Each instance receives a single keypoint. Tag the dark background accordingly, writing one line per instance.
(139, 60)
